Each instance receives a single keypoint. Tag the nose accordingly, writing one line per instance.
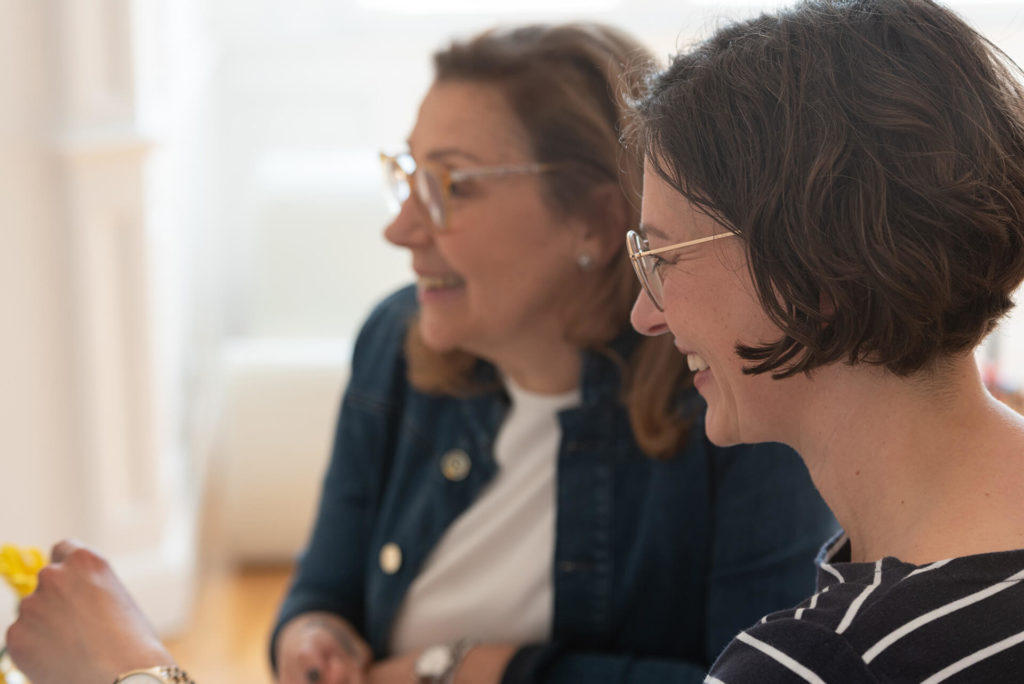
(411, 227)
(646, 318)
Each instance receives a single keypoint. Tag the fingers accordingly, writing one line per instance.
(317, 663)
(81, 611)
(74, 567)
(330, 671)
(303, 666)
(65, 548)
(341, 671)
(321, 648)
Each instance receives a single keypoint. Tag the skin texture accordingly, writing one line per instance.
(495, 226)
(710, 305)
(81, 611)
(323, 643)
(923, 468)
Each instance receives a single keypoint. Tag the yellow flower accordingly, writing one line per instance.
(20, 567)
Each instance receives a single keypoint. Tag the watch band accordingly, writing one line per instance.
(459, 651)
(429, 671)
(171, 675)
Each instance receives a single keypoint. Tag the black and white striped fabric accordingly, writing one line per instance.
(952, 621)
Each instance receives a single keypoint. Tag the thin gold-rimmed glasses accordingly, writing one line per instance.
(645, 262)
(432, 185)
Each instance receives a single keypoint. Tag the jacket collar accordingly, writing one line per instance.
(600, 371)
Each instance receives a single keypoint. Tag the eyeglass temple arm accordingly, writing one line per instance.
(690, 243)
(466, 174)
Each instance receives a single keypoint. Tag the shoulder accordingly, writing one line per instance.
(790, 650)
(390, 318)
(956, 615)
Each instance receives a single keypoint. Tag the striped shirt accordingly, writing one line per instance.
(953, 621)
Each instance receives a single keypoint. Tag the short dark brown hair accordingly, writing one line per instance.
(870, 153)
(571, 87)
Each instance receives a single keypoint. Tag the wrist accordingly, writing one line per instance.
(484, 663)
(161, 674)
(439, 664)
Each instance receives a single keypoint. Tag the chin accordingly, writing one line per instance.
(723, 440)
(438, 343)
(437, 338)
(721, 435)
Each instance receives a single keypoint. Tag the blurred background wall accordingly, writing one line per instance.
(191, 218)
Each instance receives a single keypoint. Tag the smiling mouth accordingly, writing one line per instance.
(696, 362)
(443, 282)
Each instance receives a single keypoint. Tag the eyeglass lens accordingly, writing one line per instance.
(396, 180)
(645, 267)
(428, 188)
(431, 193)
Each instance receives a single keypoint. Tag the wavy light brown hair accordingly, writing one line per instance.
(870, 153)
(570, 85)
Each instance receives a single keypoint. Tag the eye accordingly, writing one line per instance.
(461, 188)
(661, 262)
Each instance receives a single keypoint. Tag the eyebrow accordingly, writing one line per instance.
(647, 230)
(448, 152)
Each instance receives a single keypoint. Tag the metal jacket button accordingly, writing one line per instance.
(455, 465)
(390, 558)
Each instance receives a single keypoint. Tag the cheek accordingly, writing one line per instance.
(693, 306)
(466, 254)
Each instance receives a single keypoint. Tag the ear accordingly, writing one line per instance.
(603, 223)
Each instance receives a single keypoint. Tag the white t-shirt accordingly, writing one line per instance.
(489, 578)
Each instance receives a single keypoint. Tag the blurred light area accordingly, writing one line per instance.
(298, 171)
(1001, 356)
(488, 6)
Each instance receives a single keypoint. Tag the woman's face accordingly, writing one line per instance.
(498, 274)
(710, 305)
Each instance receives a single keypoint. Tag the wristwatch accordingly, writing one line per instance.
(155, 675)
(437, 664)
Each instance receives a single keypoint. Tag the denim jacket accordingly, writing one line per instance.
(657, 563)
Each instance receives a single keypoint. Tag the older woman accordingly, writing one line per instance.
(833, 219)
(521, 487)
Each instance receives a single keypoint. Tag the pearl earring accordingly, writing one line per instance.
(584, 261)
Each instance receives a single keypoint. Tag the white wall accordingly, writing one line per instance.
(86, 449)
(38, 431)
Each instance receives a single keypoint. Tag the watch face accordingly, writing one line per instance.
(142, 678)
(434, 661)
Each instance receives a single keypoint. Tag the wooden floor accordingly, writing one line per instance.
(227, 642)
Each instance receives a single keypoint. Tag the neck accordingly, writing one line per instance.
(921, 468)
(542, 367)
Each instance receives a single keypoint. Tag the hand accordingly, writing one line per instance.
(395, 670)
(80, 624)
(321, 648)
(482, 664)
